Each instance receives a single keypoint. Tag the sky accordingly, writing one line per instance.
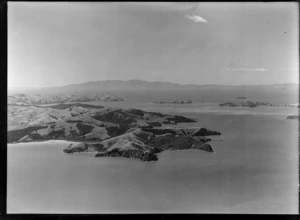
(61, 43)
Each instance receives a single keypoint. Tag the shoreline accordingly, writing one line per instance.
(52, 141)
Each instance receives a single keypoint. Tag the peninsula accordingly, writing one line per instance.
(106, 131)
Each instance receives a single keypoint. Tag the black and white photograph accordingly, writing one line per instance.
(152, 108)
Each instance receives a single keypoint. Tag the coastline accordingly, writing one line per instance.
(52, 141)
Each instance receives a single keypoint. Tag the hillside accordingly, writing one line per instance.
(39, 99)
(105, 131)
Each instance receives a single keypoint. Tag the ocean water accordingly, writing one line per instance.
(254, 169)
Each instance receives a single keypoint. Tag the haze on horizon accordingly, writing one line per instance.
(61, 43)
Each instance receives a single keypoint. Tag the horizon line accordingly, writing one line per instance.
(39, 87)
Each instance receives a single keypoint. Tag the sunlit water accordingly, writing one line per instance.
(254, 169)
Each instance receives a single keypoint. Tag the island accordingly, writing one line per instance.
(293, 117)
(250, 104)
(174, 102)
(109, 98)
(106, 131)
(292, 105)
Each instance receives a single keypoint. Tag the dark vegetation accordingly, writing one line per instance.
(249, 104)
(73, 133)
(84, 129)
(205, 132)
(73, 121)
(35, 136)
(293, 117)
(79, 149)
(158, 131)
(171, 142)
(15, 135)
(179, 119)
(136, 112)
(154, 124)
(56, 133)
(116, 130)
(142, 155)
(99, 147)
(116, 117)
(230, 104)
(205, 147)
(157, 114)
(51, 116)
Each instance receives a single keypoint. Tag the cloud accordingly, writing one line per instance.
(248, 69)
(196, 18)
(161, 6)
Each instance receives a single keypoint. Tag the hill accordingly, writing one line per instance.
(42, 99)
(105, 131)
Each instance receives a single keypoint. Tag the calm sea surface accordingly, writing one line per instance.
(254, 169)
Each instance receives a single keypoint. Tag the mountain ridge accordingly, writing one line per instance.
(145, 91)
(148, 82)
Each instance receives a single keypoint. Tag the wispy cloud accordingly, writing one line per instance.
(248, 69)
(161, 6)
(196, 18)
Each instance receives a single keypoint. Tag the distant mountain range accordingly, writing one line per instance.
(133, 85)
(138, 91)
